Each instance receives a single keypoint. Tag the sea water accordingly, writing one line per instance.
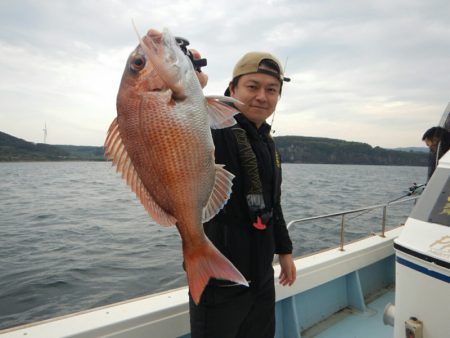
(73, 236)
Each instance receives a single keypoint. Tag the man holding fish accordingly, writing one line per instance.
(251, 227)
(161, 142)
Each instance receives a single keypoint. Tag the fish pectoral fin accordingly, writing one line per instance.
(116, 151)
(220, 114)
(204, 262)
(220, 194)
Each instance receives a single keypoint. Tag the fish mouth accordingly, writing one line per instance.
(167, 59)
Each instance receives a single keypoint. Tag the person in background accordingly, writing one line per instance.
(250, 228)
(438, 140)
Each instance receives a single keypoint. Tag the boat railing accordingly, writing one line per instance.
(343, 215)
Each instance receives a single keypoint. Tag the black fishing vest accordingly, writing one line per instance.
(260, 213)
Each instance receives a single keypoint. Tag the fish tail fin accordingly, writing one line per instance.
(207, 262)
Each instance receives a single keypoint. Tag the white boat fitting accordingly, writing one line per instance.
(423, 263)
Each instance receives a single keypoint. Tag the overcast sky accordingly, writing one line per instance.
(368, 71)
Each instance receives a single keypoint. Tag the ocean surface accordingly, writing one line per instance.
(73, 236)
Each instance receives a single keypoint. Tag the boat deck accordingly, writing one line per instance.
(351, 324)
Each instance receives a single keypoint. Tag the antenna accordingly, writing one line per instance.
(285, 64)
(45, 132)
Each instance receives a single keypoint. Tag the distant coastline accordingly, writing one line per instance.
(13, 149)
(300, 149)
(293, 149)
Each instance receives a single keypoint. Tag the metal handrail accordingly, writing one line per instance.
(347, 212)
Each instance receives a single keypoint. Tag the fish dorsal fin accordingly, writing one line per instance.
(220, 194)
(116, 152)
(221, 114)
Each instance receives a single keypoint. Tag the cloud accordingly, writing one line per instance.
(372, 71)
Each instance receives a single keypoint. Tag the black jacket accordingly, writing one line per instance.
(249, 249)
(444, 146)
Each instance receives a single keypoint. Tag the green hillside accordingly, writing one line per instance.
(299, 149)
(16, 149)
(293, 149)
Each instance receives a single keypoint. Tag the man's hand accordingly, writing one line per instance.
(202, 77)
(288, 273)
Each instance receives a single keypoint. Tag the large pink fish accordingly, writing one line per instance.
(161, 143)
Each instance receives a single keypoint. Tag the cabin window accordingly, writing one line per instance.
(440, 213)
(434, 204)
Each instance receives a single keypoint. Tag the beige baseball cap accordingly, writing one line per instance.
(250, 63)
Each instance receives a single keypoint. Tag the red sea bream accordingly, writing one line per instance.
(161, 143)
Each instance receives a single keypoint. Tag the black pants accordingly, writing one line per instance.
(234, 312)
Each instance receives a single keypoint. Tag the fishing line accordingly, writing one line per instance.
(271, 122)
(141, 41)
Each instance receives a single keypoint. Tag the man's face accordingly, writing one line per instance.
(432, 143)
(259, 95)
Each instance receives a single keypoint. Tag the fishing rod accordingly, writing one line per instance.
(413, 190)
(284, 79)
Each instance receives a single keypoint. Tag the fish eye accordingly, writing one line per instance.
(137, 63)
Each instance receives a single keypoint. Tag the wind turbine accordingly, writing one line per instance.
(45, 132)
